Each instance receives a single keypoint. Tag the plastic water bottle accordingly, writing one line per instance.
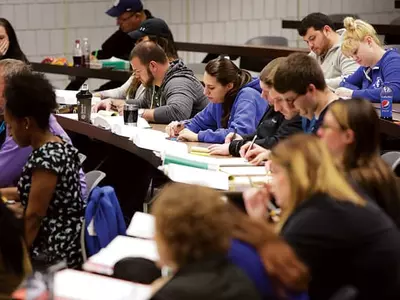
(77, 54)
(386, 103)
(86, 53)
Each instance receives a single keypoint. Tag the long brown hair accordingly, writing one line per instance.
(311, 170)
(362, 159)
(225, 72)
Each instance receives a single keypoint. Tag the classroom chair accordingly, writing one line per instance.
(392, 158)
(93, 178)
(82, 157)
(345, 293)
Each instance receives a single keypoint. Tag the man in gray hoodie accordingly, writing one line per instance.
(325, 43)
(172, 90)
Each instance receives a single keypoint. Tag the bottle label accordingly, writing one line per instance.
(386, 106)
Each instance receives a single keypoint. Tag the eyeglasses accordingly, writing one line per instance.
(326, 126)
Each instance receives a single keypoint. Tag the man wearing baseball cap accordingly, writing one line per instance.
(130, 14)
(155, 27)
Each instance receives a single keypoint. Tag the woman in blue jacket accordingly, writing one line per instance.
(235, 105)
(379, 67)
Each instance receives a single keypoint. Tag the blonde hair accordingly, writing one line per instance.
(311, 170)
(356, 31)
(267, 74)
(193, 221)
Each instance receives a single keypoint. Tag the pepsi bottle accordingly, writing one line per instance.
(386, 103)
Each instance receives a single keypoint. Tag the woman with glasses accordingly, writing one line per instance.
(351, 132)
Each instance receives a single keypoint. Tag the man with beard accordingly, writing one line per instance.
(173, 93)
(325, 45)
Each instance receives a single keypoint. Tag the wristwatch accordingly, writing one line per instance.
(140, 112)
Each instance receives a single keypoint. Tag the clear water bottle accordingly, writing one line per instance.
(86, 52)
(386, 103)
(77, 54)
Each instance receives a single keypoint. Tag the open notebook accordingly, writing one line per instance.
(72, 284)
(121, 247)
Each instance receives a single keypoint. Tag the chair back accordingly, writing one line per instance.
(345, 293)
(93, 178)
(392, 158)
(256, 64)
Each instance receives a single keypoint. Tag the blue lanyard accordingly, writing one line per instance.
(2, 127)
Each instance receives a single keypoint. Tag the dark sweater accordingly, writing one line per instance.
(211, 279)
(272, 128)
(344, 244)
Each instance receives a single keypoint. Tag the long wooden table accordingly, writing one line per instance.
(82, 72)
(380, 28)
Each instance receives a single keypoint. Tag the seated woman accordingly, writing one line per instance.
(193, 238)
(9, 46)
(236, 105)
(379, 67)
(273, 125)
(14, 259)
(351, 132)
(157, 31)
(12, 157)
(342, 238)
(49, 187)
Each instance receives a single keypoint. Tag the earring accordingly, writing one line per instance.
(26, 127)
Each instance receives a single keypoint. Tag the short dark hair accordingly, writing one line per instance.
(297, 72)
(316, 20)
(167, 44)
(30, 95)
(148, 51)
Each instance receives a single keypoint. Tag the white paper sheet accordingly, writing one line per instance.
(69, 97)
(142, 226)
(245, 171)
(72, 284)
(189, 175)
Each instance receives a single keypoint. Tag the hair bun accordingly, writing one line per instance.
(349, 23)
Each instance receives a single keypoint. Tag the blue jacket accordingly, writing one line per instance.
(108, 222)
(247, 111)
(367, 82)
(247, 259)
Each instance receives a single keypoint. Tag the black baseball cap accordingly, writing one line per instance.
(153, 26)
(121, 6)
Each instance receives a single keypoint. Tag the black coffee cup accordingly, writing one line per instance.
(130, 114)
(84, 100)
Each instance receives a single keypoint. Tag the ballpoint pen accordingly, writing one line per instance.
(251, 144)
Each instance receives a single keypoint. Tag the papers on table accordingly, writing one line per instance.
(190, 175)
(72, 284)
(141, 226)
(156, 141)
(69, 97)
(121, 247)
(245, 171)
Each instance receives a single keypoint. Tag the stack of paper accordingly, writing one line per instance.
(156, 140)
(121, 247)
(190, 175)
(72, 284)
(141, 226)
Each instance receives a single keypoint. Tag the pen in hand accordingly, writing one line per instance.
(251, 144)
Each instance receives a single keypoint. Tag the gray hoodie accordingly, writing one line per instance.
(335, 65)
(180, 96)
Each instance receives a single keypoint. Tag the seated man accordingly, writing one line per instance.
(273, 125)
(325, 45)
(300, 82)
(13, 157)
(173, 93)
